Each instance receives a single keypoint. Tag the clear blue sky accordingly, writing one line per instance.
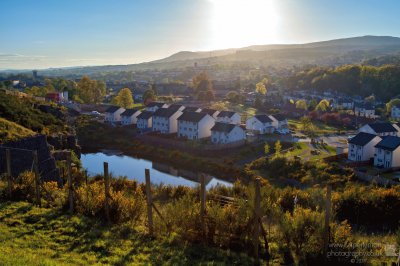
(49, 33)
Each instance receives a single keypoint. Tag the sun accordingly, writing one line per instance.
(238, 23)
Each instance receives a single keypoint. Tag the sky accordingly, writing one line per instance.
(36, 34)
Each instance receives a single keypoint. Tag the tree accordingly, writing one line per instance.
(233, 97)
(392, 103)
(261, 87)
(301, 104)
(258, 103)
(202, 86)
(210, 95)
(7, 83)
(323, 105)
(266, 149)
(149, 96)
(37, 91)
(278, 148)
(306, 123)
(312, 104)
(91, 91)
(124, 98)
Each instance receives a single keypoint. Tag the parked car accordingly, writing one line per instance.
(95, 113)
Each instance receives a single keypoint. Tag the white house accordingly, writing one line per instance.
(366, 110)
(154, 106)
(211, 112)
(280, 123)
(195, 125)
(379, 129)
(362, 146)
(229, 117)
(129, 116)
(165, 120)
(226, 133)
(113, 114)
(144, 120)
(260, 123)
(387, 152)
(395, 112)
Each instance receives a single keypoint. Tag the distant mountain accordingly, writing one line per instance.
(355, 50)
(346, 44)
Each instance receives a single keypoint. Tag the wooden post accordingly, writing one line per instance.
(257, 215)
(9, 176)
(149, 201)
(203, 204)
(70, 184)
(107, 192)
(37, 178)
(327, 217)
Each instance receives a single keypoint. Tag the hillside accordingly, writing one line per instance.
(353, 50)
(10, 131)
(40, 117)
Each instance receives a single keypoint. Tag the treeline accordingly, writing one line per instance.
(383, 81)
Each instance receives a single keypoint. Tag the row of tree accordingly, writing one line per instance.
(382, 81)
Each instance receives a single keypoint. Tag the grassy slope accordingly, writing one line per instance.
(40, 236)
(11, 131)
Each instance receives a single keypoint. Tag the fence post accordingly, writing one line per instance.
(327, 218)
(71, 185)
(37, 178)
(9, 176)
(107, 191)
(149, 201)
(203, 204)
(257, 211)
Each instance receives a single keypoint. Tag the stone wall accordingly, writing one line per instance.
(22, 158)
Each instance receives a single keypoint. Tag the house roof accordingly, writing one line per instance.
(208, 111)
(263, 118)
(192, 116)
(129, 112)
(112, 109)
(145, 115)
(166, 112)
(153, 104)
(190, 109)
(279, 117)
(226, 114)
(223, 127)
(176, 106)
(389, 143)
(362, 139)
(382, 127)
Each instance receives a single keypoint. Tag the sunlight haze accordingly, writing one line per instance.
(75, 33)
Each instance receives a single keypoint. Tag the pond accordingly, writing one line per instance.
(133, 168)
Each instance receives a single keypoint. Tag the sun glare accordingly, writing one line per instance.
(238, 23)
